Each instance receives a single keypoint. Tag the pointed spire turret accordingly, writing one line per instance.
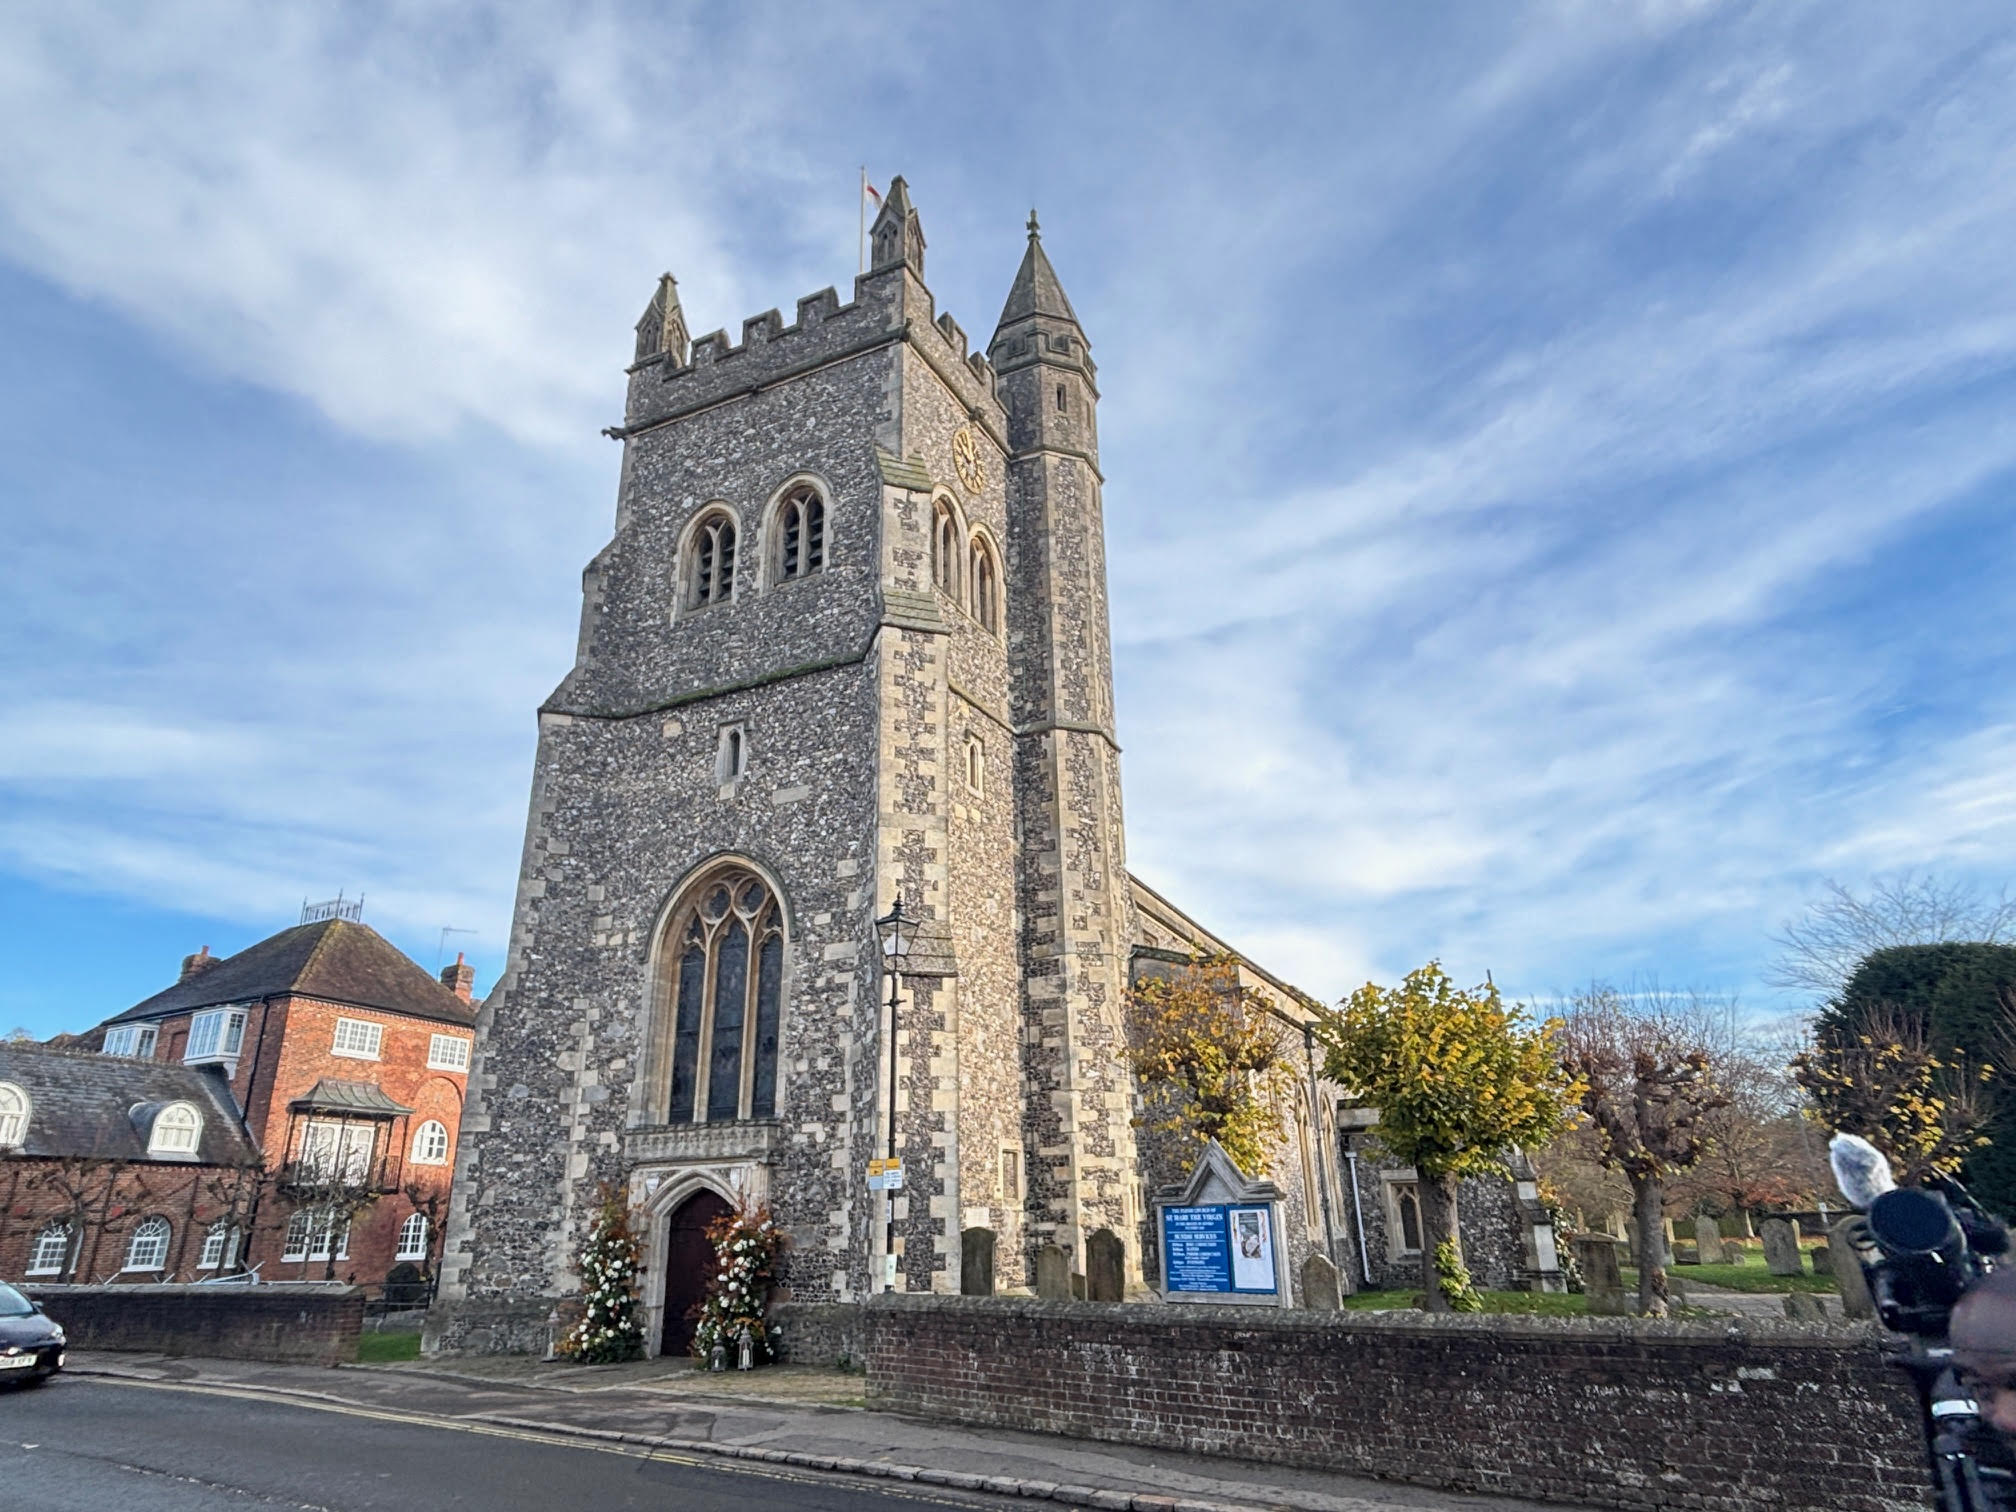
(662, 327)
(898, 235)
(1037, 289)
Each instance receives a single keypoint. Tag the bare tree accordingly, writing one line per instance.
(1819, 950)
(1645, 1064)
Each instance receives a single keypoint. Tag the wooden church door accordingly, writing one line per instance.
(689, 1262)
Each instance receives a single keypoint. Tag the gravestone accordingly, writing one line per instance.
(976, 1262)
(1105, 1267)
(1077, 1286)
(1319, 1284)
(1053, 1274)
(1781, 1247)
(1708, 1242)
(1823, 1260)
(1842, 1242)
(1804, 1307)
(1686, 1254)
(1596, 1254)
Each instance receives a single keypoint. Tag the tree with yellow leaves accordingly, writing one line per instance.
(1210, 1062)
(1876, 1075)
(1459, 1077)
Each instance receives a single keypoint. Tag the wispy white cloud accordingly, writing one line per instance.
(1507, 433)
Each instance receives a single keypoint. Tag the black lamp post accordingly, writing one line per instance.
(898, 931)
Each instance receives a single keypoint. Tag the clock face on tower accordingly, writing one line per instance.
(966, 457)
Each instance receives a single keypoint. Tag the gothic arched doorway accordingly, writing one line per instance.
(689, 1261)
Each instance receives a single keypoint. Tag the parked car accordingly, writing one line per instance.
(31, 1342)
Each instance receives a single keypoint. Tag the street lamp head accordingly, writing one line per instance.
(898, 931)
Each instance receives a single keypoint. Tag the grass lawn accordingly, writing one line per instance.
(384, 1348)
(1743, 1278)
(1549, 1304)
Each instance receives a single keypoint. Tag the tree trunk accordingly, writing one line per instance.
(1648, 1212)
(1438, 1223)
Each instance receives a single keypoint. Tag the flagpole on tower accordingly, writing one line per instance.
(861, 214)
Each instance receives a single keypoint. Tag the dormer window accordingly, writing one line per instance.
(801, 534)
(216, 1035)
(178, 1129)
(136, 1040)
(710, 573)
(13, 1115)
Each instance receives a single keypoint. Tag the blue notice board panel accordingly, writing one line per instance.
(1197, 1250)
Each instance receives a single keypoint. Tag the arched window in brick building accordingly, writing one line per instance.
(147, 1250)
(710, 561)
(51, 1254)
(801, 534)
(413, 1238)
(986, 586)
(430, 1143)
(947, 561)
(723, 978)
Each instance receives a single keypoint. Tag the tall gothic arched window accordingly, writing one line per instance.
(945, 553)
(801, 534)
(726, 981)
(710, 569)
(986, 587)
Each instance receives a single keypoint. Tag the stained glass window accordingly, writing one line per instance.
(725, 1015)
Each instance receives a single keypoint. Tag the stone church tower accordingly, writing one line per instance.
(848, 642)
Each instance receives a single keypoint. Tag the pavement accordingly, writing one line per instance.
(788, 1419)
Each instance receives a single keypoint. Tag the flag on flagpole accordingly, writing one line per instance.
(874, 194)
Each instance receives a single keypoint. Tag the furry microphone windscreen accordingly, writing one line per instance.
(1860, 1169)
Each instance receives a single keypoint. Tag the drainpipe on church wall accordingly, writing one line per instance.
(1358, 1219)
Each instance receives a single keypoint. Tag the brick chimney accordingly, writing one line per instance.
(198, 963)
(459, 979)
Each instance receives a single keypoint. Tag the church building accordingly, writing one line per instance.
(847, 646)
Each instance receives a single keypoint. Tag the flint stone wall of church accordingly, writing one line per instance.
(1613, 1412)
(1487, 1213)
(624, 807)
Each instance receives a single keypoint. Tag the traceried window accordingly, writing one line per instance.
(986, 587)
(413, 1238)
(13, 1115)
(726, 979)
(359, 1039)
(801, 534)
(220, 1247)
(710, 568)
(430, 1144)
(178, 1128)
(52, 1250)
(147, 1250)
(447, 1052)
(945, 553)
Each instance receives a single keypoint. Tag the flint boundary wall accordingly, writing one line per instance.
(1615, 1412)
(290, 1324)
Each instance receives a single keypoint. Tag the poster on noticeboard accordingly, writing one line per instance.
(1219, 1248)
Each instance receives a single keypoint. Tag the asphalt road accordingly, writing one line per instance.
(77, 1445)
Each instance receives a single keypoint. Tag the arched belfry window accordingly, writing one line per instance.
(801, 534)
(986, 587)
(725, 981)
(945, 553)
(710, 561)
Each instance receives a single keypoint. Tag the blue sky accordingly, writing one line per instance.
(1559, 455)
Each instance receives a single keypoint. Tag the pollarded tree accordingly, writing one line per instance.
(1210, 1062)
(1459, 1077)
(1645, 1066)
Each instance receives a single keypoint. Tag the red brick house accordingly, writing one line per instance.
(118, 1170)
(347, 1065)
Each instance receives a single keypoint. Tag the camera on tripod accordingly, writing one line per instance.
(1922, 1249)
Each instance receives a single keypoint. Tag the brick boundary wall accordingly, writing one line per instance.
(1615, 1412)
(295, 1325)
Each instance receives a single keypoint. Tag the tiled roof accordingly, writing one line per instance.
(82, 1104)
(336, 960)
(332, 1096)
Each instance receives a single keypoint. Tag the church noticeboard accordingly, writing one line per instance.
(1219, 1248)
(1221, 1237)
